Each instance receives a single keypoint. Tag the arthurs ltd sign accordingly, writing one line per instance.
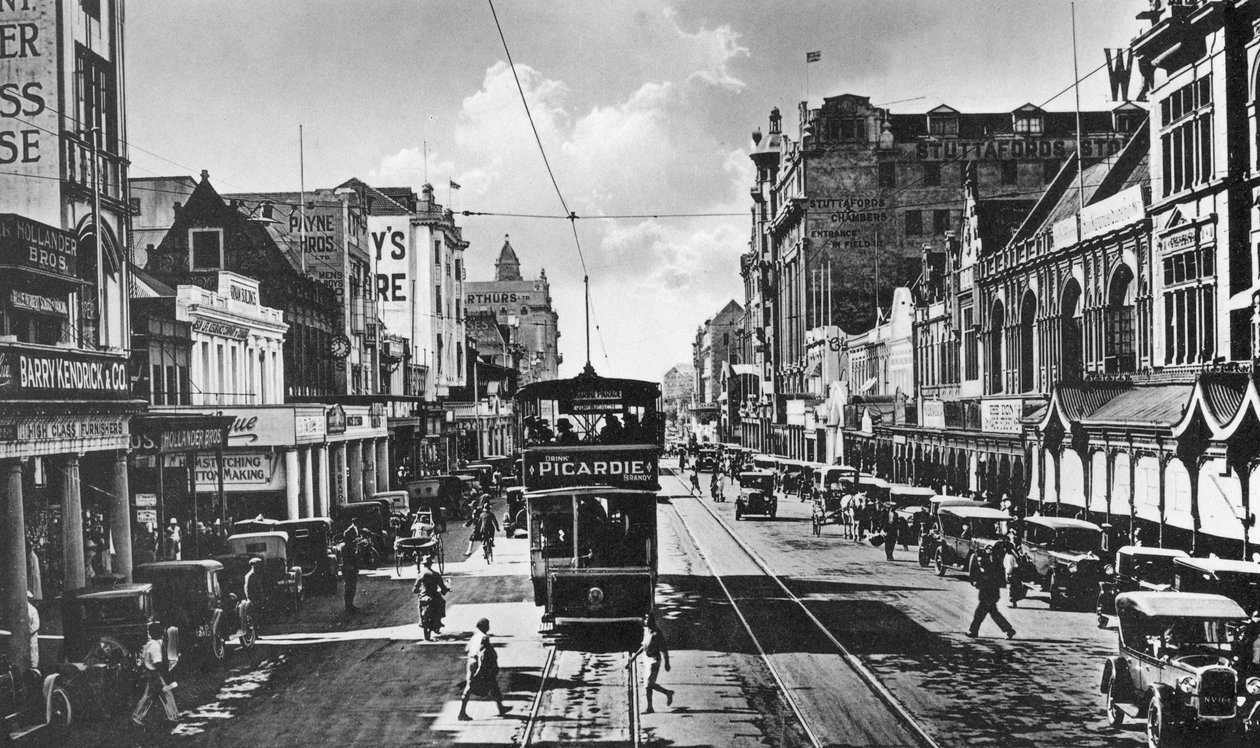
(569, 467)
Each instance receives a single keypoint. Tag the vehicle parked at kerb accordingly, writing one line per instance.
(929, 536)
(756, 495)
(1062, 557)
(1174, 667)
(963, 531)
(1237, 580)
(443, 495)
(104, 630)
(186, 595)
(1136, 569)
(311, 550)
(283, 583)
(515, 517)
(591, 497)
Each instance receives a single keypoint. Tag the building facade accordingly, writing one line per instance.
(521, 310)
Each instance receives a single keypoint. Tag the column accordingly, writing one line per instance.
(292, 480)
(120, 516)
(324, 499)
(308, 484)
(13, 566)
(382, 464)
(369, 468)
(72, 525)
(339, 473)
(355, 463)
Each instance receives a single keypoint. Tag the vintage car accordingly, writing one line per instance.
(104, 631)
(399, 501)
(187, 595)
(1237, 580)
(834, 478)
(962, 531)
(928, 534)
(482, 471)
(756, 494)
(515, 517)
(1136, 569)
(283, 583)
(764, 462)
(440, 494)
(1174, 667)
(24, 708)
(257, 524)
(311, 550)
(706, 459)
(1062, 557)
(370, 516)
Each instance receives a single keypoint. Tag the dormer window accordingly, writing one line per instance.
(1028, 120)
(1127, 117)
(942, 121)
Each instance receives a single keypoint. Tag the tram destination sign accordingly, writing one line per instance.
(570, 467)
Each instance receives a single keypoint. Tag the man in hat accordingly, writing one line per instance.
(174, 540)
(988, 577)
(481, 673)
(350, 563)
(565, 433)
(254, 587)
(430, 591)
(155, 685)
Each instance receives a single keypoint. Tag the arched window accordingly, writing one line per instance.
(997, 329)
(1027, 342)
(1070, 332)
(1120, 355)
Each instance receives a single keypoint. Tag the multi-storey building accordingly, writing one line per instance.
(677, 388)
(521, 309)
(714, 351)
(64, 328)
(843, 212)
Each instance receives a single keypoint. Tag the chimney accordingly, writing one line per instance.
(205, 175)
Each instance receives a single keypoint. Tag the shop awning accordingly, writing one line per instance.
(1151, 405)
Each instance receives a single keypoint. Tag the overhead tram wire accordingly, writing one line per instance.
(572, 217)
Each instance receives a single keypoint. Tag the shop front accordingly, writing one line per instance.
(357, 442)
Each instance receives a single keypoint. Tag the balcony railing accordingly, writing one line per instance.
(110, 172)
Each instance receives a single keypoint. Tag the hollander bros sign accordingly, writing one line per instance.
(27, 372)
(615, 467)
(33, 246)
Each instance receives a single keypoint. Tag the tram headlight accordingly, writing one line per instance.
(594, 596)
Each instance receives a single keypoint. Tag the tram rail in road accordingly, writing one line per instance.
(582, 699)
(890, 702)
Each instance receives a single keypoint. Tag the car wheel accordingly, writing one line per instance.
(924, 560)
(1115, 715)
(1159, 734)
(218, 644)
(939, 560)
(249, 633)
(61, 710)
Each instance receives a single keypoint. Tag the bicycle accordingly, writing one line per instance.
(487, 548)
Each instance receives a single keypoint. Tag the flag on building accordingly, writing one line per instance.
(454, 184)
(813, 56)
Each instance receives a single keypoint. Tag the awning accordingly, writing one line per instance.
(751, 369)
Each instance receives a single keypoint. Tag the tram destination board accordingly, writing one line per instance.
(615, 466)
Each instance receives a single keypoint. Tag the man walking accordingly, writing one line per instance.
(655, 649)
(350, 564)
(33, 615)
(988, 577)
(695, 478)
(155, 686)
(892, 530)
(481, 672)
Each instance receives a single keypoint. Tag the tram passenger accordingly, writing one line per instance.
(565, 433)
(612, 432)
(633, 432)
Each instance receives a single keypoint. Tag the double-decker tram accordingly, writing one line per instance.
(590, 474)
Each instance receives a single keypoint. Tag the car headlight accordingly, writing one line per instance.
(1253, 686)
(1188, 684)
(1109, 569)
(1074, 568)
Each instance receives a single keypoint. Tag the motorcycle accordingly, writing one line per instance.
(432, 611)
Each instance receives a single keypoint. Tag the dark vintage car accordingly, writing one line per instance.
(1174, 667)
(1136, 569)
(483, 472)
(1061, 557)
(1237, 580)
(515, 517)
(706, 459)
(104, 631)
(440, 494)
(756, 495)
(962, 531)
(928, 533)
(23, 705)
(283, 584)
(373, 518)
(187, 596)
(311, 550)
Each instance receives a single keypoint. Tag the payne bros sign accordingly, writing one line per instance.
(571, 467)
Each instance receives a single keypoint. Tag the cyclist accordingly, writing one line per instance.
(484, 525)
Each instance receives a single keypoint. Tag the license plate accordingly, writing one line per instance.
(204, 630)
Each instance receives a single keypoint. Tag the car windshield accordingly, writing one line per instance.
(1079, 540)
(1172, 638)
(1154, 570)
(986, 528)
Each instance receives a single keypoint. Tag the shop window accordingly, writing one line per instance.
(205, 249)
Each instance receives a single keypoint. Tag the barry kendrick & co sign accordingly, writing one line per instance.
(38, 373)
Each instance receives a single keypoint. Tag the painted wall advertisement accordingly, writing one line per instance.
(934, 414)
(848, 219)
(1001, 416)
(389, 242)
(29, 129)
(242, 471)
(319, 230)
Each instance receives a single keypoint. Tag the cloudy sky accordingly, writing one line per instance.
(644, 107)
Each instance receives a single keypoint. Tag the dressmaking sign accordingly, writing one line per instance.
(30, 134)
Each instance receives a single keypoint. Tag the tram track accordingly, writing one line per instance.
(889, 701)
(584, 698)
